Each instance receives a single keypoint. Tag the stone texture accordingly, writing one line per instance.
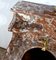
(32, 25)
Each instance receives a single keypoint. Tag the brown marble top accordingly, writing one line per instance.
(34, 8)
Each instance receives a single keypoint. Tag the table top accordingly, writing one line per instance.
(34, 8)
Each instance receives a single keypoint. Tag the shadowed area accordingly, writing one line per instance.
(38, 54)
(2, 53)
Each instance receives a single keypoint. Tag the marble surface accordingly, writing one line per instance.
(16, 48)
(6, 16)
(40, 32)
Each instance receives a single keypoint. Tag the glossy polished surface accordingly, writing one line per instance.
(6, 16)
